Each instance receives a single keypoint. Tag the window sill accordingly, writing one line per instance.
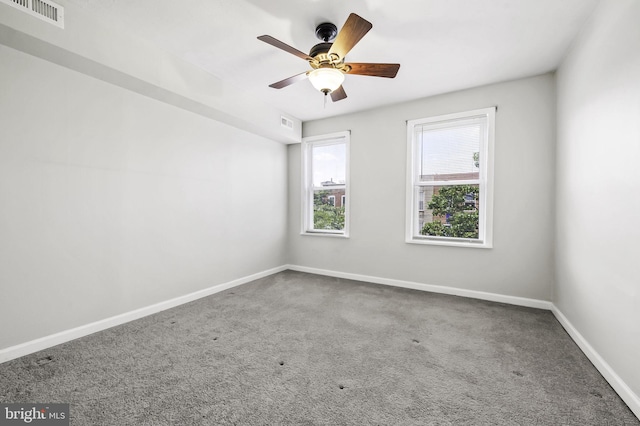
(325, 234)
(450, 243)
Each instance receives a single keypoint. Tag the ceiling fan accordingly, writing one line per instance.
(327, 58)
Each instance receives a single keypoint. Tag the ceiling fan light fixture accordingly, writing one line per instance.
(327, 58)
(326, 80)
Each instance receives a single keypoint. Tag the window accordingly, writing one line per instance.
(325, 174)
(450, 179)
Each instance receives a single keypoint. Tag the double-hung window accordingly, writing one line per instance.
(450, 179)
(325, 185)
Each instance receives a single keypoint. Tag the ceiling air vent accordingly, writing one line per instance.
(43, 9)
(286, 122)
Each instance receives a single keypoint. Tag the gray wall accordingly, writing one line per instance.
(112, 201)
(521, 262)
(598, 178)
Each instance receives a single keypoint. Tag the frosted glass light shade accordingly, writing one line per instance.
(326, 80)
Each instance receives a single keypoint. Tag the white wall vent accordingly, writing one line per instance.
(43, 9)
(286, 123)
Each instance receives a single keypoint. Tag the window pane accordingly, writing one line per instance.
(449, 211)
(450, 179)
(328, 164)
(325, 179)
(328, 209)
(450, 153)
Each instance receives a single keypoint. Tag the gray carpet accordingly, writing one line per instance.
(301, 349)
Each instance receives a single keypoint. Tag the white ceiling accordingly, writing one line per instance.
(442, 45)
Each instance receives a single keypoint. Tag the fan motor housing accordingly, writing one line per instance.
(322, 58)
(319, 49)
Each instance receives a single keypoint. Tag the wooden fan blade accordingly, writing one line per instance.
(352, 31)
(280, 45)
(338, 94)
(289, 81)
(375, 70)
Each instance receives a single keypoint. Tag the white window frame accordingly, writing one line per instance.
(307, 183)
(485, 181)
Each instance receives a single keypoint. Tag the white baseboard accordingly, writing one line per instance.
(36, 345)
(628, 396)
(511, 300)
